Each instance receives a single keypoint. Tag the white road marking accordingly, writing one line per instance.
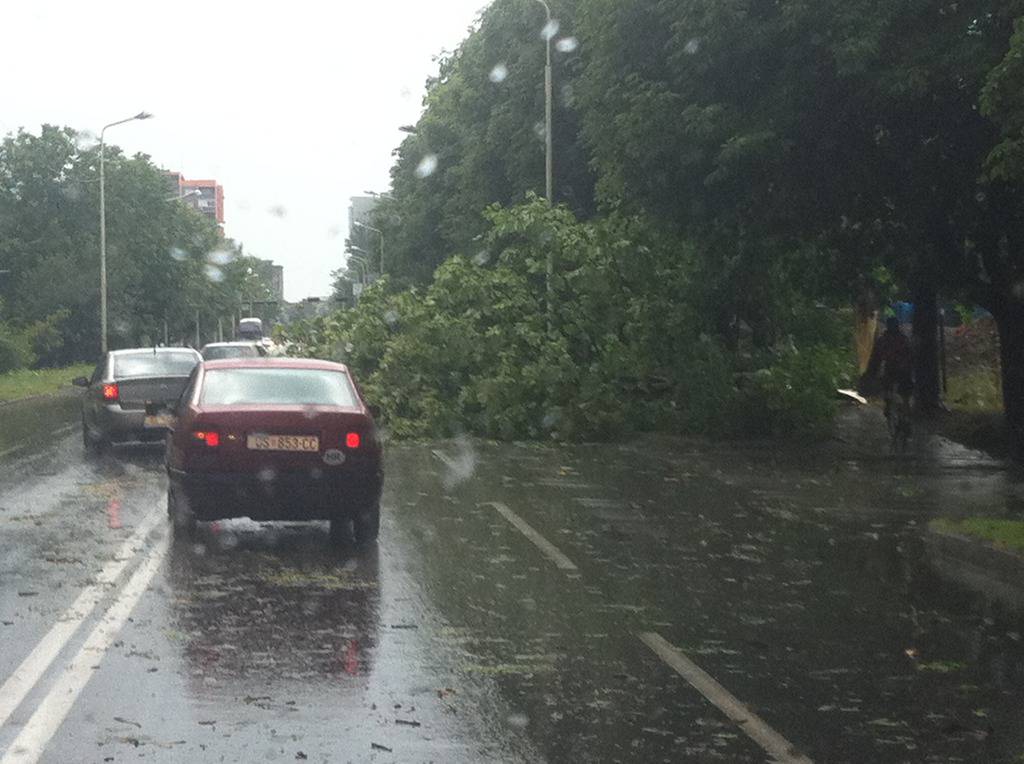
(780, 749)
(58, 433)
(25, 677)
(28, 747)
(550, 550)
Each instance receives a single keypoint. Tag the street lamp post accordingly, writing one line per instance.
(548, 131)
(548, 175)
(362, 267)
(379, 233)
(363, 257)
(103, 231)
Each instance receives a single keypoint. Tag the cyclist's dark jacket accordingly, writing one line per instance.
(892, 362)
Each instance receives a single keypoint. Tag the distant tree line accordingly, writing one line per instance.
(168, 266)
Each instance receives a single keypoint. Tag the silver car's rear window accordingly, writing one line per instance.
(230, 351)
(154, 365)
(311, 387)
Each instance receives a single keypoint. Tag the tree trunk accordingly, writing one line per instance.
(1011, 348)
(926, 349)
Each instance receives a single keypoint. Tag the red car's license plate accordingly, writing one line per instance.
(283, 442)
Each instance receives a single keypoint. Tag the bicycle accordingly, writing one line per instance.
(897, 417)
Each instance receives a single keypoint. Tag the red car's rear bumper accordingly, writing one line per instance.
(309, 494)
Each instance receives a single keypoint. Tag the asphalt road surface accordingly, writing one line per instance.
(653, 600)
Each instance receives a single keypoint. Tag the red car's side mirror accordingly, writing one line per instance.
(80, 382)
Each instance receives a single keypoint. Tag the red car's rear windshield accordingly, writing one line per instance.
(310, 387)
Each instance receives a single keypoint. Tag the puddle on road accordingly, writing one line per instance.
(29, 425)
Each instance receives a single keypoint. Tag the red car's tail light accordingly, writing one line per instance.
(352, 440)
(211, 439)
(110, 392)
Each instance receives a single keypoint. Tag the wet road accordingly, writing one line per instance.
(656, 600)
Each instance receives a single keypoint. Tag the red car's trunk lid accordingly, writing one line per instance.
(240, 431)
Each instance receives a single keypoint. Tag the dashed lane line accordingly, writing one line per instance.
(550, 550)
(776, 746)
(28, 673)
(28, 747)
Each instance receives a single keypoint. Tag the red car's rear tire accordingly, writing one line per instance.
(366, 524)
(341, 531)
(182, 519)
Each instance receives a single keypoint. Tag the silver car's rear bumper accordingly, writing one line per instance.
(119, 425)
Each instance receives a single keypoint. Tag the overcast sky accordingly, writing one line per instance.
(290, 105)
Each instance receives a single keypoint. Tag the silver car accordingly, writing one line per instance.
(129, 394)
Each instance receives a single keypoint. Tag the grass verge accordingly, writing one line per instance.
(25, 383)
(1007, 534)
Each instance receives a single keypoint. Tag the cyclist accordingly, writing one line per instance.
(892, 368)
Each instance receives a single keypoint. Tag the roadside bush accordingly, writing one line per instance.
(796, 394)
(13, 352)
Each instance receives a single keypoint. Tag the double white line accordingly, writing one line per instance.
(50, 713)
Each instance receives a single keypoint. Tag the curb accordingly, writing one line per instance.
(995, 572)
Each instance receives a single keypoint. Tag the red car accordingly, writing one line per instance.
(275, 439)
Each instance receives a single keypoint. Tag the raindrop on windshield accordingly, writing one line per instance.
(220, 257)
(213, 273)
(391, 318)
(518, 720)
(278, 211)
(540, 131)
(227, 540)
(426, 166)
(460, 467)
(567, 44)
(550, 29)
(334, 232)
(482, 257)
(177, 253)
(692, 46)
(498, 73)
(86, 139)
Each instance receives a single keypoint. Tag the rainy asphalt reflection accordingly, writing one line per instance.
(796, 577)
